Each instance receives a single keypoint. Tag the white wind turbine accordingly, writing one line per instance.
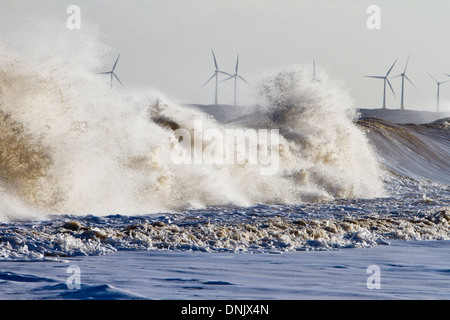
(403, 75)
(236, 76)
(112, 74)
(438, 87)
(216, 75)
(386, 80)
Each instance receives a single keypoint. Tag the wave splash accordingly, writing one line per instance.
(70, 145)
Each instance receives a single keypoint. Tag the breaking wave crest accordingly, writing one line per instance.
(71, 145)
(412, 150)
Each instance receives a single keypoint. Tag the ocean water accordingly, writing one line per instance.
(408, 270)
(87, 175)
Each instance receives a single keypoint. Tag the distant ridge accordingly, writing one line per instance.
(403, 116)
(225, 113)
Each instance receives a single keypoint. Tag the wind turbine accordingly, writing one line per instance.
(236, 76)
(112, 74)
(438, 87)
(403, 75)
(314, 72)
(216, 75)
(386, 80)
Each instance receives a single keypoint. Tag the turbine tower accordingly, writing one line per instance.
(314, 79)
(403, 75)
(438, 87)
(236, 76)
(216, 75)
(112, 74)
(386, 80)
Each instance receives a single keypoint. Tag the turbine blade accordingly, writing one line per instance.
(390, 86)
(209, 79)
(230, 77)
(223, 72)
(237, 63)
(114, 67)
(118, 79)
(215, 61)
(400, 75)
(407, 60)
(410, 81)
(376, 77)
(104, 72)
(432, 77)
(243, 80)
(391, 68)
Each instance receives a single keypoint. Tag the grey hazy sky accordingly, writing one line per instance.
(166, 44)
